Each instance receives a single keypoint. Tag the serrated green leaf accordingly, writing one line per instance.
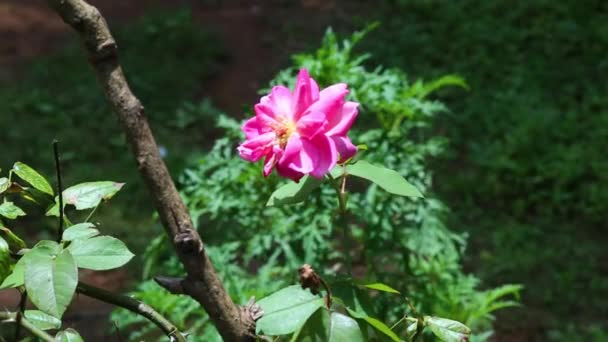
(68, 335)
(42, 320)
(89, 195)
(381, 287)
(100, 253)
(292, 192)
(448, 330)
(4, 184)
(15, 243)
(387, 179)
(328, 326)
(80, 231)
(5, 260)
(286, 310)
(51, 279)
(32, 177)
(10, 210)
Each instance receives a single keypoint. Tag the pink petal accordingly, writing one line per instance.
(330, 100)
(311, 124)
(251, 128)
(269, 163)
(289, 173)
(298, 156)
(254, 149)
(305, 92)
(274, 107)
(345, 147)
(327, 155)
(341, 121)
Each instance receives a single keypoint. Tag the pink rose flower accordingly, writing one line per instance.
(301, 132)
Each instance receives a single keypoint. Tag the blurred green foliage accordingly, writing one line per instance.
(527, 174)
(165, 55)
(399, 241)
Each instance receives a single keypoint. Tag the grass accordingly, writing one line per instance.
(527, 174)
(166, 58)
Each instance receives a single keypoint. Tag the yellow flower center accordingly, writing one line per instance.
(284, 129)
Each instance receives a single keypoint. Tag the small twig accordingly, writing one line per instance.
(14, 316)
(59, 189)
(132, 305)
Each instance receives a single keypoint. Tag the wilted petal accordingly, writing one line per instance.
(311, 124)
(327, 155)
(340, 122)
(345, 147)
(256, 148)
(305, 92)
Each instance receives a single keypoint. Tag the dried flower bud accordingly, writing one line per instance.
(309, 279)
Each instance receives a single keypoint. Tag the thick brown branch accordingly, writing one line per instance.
(202, 282)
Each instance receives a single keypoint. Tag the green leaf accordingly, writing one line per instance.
(89, 195)
(447, 80)
(292, 192)
(41, 320)
(16, 277)
(10, 210)
(448, 330)
(375, 323)
(381, 287)
(411, 330)
(5, 260)
(68, 335)
(80, 231)
(100, 253)
(354, 299)
(286, 310)
(330, 327)
(32, 177)
(381, 327)
(50, 279)
(344, 328)
(15, 243)
(387, 179)
(4, 184)
(53, 210)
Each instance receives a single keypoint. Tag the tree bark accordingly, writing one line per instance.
(202, 282)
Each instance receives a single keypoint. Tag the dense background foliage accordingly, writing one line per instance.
(520, 164)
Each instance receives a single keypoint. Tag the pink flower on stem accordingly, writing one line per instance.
(301, 132)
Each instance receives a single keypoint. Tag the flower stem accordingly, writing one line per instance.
(342, 219)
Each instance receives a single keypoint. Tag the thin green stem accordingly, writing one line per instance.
(91, 213)
(16, 317)
(342, 220)
(134, 306)
(398, 322)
